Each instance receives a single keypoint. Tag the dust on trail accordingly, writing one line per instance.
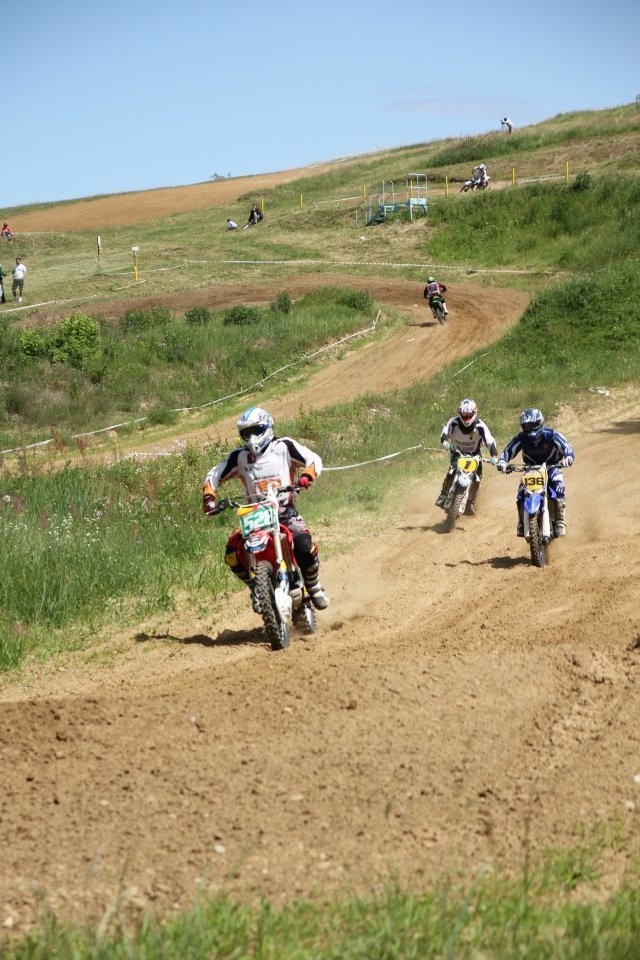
(457, 710)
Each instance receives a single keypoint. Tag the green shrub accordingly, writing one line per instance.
(240, 315)
(282, 303)
(33, 344)
(144, 318)
(355, 300)
(199, 316)
(77, 341)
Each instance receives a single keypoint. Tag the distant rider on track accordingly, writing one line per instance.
(435, 289)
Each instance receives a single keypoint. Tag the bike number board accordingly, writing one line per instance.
(468, 464)
(258, 516)
(533, 480)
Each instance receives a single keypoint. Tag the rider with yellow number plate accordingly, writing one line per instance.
(540, 444)
(465, 433)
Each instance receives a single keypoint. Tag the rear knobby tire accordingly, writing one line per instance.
(536, 543)
(454, 511)
(277, 631)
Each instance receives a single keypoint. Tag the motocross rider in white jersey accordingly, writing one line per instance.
(262, 463)
(465, 433)
(479, 173)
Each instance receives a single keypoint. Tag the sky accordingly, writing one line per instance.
(109, 96)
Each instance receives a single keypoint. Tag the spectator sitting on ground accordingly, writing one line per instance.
(231, 224)
(6, 230)
(255, 216)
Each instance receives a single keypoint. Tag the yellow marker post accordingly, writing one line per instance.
(364, 194)
(513, 176)
(301, 201)
(135, 262)
(446, 186)
(566, 171)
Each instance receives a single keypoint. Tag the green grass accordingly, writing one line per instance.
(545, 913)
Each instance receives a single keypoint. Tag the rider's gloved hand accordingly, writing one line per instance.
(446, 445)
(494, 461)
(304, 480)
(502, 466)
(566, 462)
(209, 505)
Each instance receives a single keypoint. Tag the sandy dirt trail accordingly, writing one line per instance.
(457, 710)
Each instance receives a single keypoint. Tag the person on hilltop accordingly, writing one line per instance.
(263, 461)
(540, 444)
(506, 124)
(465, 433)
(19, 270)
(435, 289)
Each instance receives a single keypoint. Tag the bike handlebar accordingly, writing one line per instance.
(230, 502)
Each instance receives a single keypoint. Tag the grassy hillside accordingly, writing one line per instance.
(127, 541)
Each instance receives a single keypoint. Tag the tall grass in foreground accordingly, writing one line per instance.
(535, 917)
(83, 544)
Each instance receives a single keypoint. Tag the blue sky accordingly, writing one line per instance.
(116, 95)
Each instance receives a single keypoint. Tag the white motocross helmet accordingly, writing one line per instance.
(256, 428)
(467, 413)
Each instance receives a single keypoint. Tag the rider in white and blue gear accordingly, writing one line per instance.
(540, 444)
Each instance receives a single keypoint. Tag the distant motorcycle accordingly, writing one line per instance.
(266, 551)
(475, 183)
(465, 472)
(538, 501)
(438, 308)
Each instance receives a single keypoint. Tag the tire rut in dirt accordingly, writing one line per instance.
(276, 630)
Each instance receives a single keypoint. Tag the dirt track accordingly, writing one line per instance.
(457, 710)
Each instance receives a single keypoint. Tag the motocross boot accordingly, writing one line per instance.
(255, 599)
(319, 598)
(520, 527)
(560, 525)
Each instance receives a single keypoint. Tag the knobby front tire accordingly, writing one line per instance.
(277, 631)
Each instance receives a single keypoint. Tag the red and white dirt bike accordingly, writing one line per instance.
(266, 551)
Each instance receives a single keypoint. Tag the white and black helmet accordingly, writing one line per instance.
(531, 421)
(256, 428)
(467, 412)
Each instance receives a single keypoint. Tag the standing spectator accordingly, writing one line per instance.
(3, 299)
(231, 224)
(18, 271)
(506, 124)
